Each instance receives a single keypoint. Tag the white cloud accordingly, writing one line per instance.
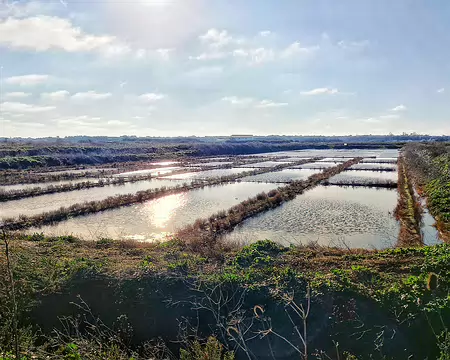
(251, 102)
(216, 38)
(295, 48)
(255, 56)
(215, 55)
(82, 120)
(56, 95)
(116, 50)
(151, 97)
(270, 104)
(17, 107)
(140, 53)
(353, 45)
(239, 101)
(117, 123)
(265, 33)
(23, 9)
(42, 33)
(17, 94)
(165, 53)
(321, 91)
(399, 108)
(27, 80)
(372, 120)
(390, 117)
(441, 90)
(205, 71)
(91, 95)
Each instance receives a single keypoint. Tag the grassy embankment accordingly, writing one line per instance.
(430, 168)
(128, 300)
(408, 210)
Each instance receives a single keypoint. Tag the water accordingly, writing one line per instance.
(316, 165)
(212, 163)
(44, 184)
(76, 171)
(363, 176)
(333, 215)
(267, 163)
(164, 163)
(342, 153)
(35, 205)
(334, 159)
(429, 232)
(283, 176)
(381, 160)
(385, 167)
(283, 159)
(207, 174)
(153, 171)
(154, 219)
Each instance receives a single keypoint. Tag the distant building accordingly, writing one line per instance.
(241, 136)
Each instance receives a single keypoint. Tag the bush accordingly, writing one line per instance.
(212, 350)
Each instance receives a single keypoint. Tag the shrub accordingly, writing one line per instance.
(212, 350)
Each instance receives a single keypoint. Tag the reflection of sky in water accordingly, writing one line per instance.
(315, 165)
(149, 219)
(389, 153)
(265, 164)
(35, 205)
(371, 166)
(44, 184)
(207, 174)
(333, 215)
(362, 176)
(212, 163)
(283, 176)
(159, 212)
(154, 172)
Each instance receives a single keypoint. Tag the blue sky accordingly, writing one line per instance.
(220, 67)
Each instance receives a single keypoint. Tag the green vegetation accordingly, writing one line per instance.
(430, 166)
(241, 303)
(408, 210)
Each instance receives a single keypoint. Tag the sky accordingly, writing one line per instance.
(221, 67)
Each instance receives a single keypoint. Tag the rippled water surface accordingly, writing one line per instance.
(208, 173)
(39, 204)
(77, 171)
(151, 219)
(372, 166)
(44, 184)
(212, 163)
(267, 163)
(316, 165)
(153, 171)
(362, 176)
(333, 215)
(283, 176)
